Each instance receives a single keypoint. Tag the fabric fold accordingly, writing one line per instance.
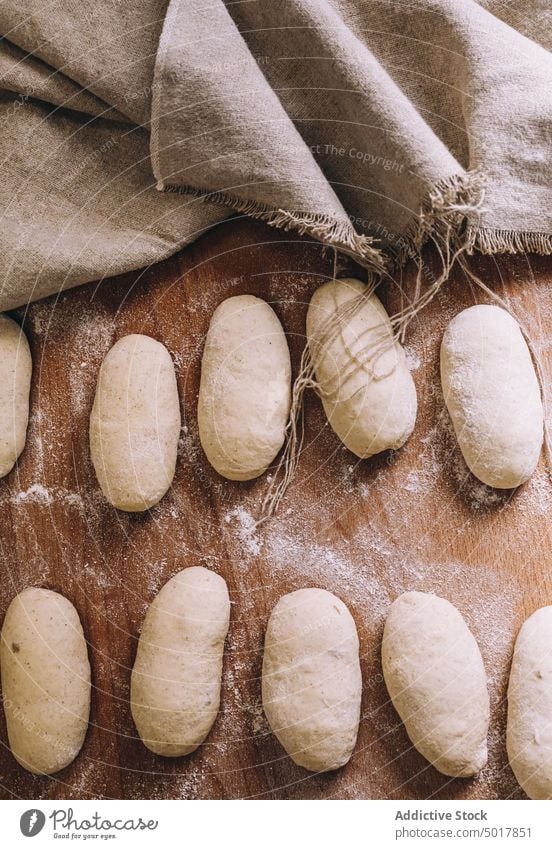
(88, 207)
(308, 115)
(373, 126)
(219, 130)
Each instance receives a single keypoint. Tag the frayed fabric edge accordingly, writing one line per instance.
(445, 211)
(442, 222)
(340, 235)
(448, 220)
(488, 241)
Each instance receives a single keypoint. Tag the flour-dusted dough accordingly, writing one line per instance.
(370, 401)
(15, 383)
(244, 395)
(492, 394)
(175, 682)
(135, 423)
(312, 684)
(435, 676)
(45, 680)
(529, 732)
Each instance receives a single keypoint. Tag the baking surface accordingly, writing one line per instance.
(366, 530)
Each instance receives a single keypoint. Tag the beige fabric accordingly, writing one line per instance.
(370, 124)
(79, 203)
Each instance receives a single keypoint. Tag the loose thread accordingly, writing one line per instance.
(442, 222)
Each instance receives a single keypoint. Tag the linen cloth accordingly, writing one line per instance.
(129, 127)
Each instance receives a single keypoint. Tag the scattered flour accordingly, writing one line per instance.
(413, 360)
(35, 493)
(39, 494)
(348, 529)
(245, 525)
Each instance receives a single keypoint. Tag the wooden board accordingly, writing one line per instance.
(364, 530)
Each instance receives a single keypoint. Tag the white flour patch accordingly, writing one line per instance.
(413, 360)
(245, 526)
(536, 495)
(94, 337)
(36, 494)
(39, 494)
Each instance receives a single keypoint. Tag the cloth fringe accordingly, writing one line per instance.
(508, 241)
(442, 221)
(340, 235)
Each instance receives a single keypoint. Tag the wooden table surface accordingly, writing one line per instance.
(367, 531)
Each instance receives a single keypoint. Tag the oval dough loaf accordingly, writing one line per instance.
(364, 382)
(312, 685)
(529, 733)
(175, 682)
(135, 423)
(45, 680)
(15, 384)
(492, 394)
(244, 395)
(435, 676)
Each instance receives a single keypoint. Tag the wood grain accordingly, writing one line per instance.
(414, 519)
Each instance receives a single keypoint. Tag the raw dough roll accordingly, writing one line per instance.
(15, 384)
(364, 382)
(244, 395)
(435, 676)
(529, 732)
(175, 682)
(492, 394)
(312, 684)
(135, 423)
(45, 680)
